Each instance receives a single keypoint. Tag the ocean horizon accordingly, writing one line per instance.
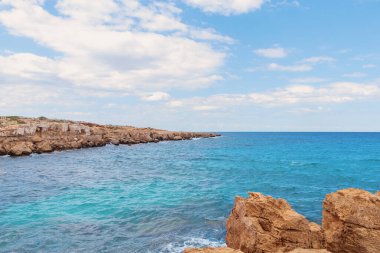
(164, 197)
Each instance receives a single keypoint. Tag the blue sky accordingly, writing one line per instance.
(211, 65)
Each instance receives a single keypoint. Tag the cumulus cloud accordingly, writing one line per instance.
(276, 52)
(210, 34)
(27, 66)
(24, 95)
(295, 95)
(114, 45)
(226, 7)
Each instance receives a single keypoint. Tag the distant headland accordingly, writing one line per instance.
(23, 136)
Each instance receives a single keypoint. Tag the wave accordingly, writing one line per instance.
(193, 242)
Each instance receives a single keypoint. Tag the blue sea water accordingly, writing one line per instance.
(167, 196)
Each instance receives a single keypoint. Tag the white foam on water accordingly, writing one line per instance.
(191, 243)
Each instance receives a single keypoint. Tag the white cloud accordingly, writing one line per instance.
(175, 103)
(25, 65)
(303, 110)
(113, 45)
(205, 108)
(355, 75)
(226, 7)
(369, 66)
(308, 80)
(210, 34)
(18, 96)
(291, 68)
(156, 96)
(281, 3)
(276, 52)
(295, 95)
(319, 59)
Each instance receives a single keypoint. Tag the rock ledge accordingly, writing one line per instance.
(23, 136)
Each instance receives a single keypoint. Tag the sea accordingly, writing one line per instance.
(167, 196)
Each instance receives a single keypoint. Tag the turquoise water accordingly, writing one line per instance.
(166, 196)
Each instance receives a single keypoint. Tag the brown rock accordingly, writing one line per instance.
(351, 221)
(299, 250)
(43, 147)
(115, 142)
(264, 224)
(44, 135)
(20, 148)
(2, 150)
(36, 139)
(212, 250)
(74, 145)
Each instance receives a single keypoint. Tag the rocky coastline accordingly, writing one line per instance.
(262, 224)
(20, 136)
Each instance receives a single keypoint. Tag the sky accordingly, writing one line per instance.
(194, 65)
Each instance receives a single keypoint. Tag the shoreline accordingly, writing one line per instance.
(20, 136)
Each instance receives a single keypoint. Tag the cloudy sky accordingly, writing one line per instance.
(220, 65)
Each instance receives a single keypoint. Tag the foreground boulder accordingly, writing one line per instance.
(309, 251)
(263, 224)
(212, 250)
(351, 221)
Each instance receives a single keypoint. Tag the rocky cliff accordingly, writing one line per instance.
(262, 224)
(23, 136)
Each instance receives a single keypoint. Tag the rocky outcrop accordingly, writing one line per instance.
(23, 136)
(229, 250)
(309, 251)
(212, 250)
(351, 221)
(264, 224)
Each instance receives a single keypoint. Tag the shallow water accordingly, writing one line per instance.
(167, 196)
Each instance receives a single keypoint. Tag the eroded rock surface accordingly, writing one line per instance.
(351, 221)
(262, 224)
(309, 251)
(213, 250)
(23, 136)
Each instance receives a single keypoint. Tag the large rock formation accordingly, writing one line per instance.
(262, 224)
(23, 136)
(212, 250)
(229, 250)
(351, 221)
(309, 251)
